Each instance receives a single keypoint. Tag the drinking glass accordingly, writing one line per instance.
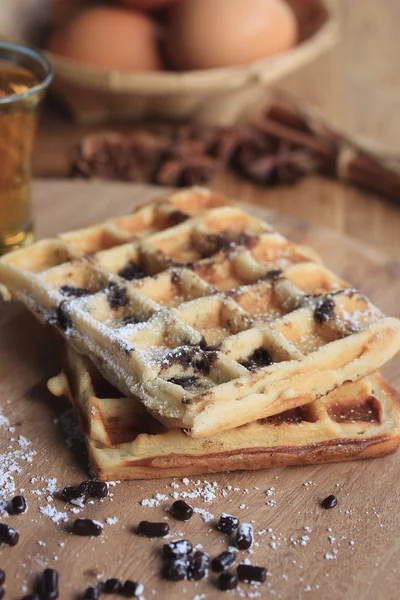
(24, 78)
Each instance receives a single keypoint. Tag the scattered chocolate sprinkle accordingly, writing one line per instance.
(227, 523)
(87, 527)
(324, 310)
(228, 581)
(117, 296)
(150, 529)
(49, 585)
(244, 536)
(112, 586)
(91, 593)
(71, 291)
(131, 271)
(176, 570)
(182, 510)
(131, 589)
(198, 566)
(8, 535)
(223, 561)
(95, 489)
(329, 502)
(177, 549)
(251, 573)
(74, 492)
(18, 505)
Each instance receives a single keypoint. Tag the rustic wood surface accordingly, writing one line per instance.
(360, 559)
(357, 87)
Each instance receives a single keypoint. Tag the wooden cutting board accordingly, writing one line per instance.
(351, 552)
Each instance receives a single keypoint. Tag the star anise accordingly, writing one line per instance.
(266, 160)
(182, 172)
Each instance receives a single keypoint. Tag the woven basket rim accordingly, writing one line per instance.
(264, 70)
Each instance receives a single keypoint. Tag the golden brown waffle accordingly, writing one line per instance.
(357, 420)
(202, 311)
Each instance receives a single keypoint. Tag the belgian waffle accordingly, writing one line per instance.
(357, 420)
(202, 311)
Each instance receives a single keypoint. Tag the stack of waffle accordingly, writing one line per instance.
(197, 339)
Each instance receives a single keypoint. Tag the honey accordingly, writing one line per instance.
(17, 132)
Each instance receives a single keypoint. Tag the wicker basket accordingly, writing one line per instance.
(221, 96)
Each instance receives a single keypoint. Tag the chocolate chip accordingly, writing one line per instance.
(91, 593)
(131, 589)
(131, 271)
(176, 570)
(182, 510)
(2, 592)
(274, 274)
(8, 535)
(228, 581)
(18, 505)
(129, 320)
(244, 536)
(324, 310)
(150, 529)
(2, 576)
(251, 573)
(186, 382)
(260, 357)
(95, 489)
(227, 523)
(223, 561)
(177, 548)
(49, 585)
(176, 217)
(60, 318)
(329, 502)
(117, 296)
(74, 492)
(71, 291)
(31, 597)
(87, 527)
(198, 566)
(112, 586)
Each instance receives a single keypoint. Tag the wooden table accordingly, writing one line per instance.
(351, 552)
(357, 86)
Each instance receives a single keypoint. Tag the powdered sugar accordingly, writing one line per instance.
(55, 515)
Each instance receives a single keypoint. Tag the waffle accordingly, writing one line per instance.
(357, 420)
(202, 311)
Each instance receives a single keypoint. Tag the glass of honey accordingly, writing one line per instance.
(24, 78)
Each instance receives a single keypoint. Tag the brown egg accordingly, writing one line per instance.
(148, 4)
(203, 34)
(109, 38)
